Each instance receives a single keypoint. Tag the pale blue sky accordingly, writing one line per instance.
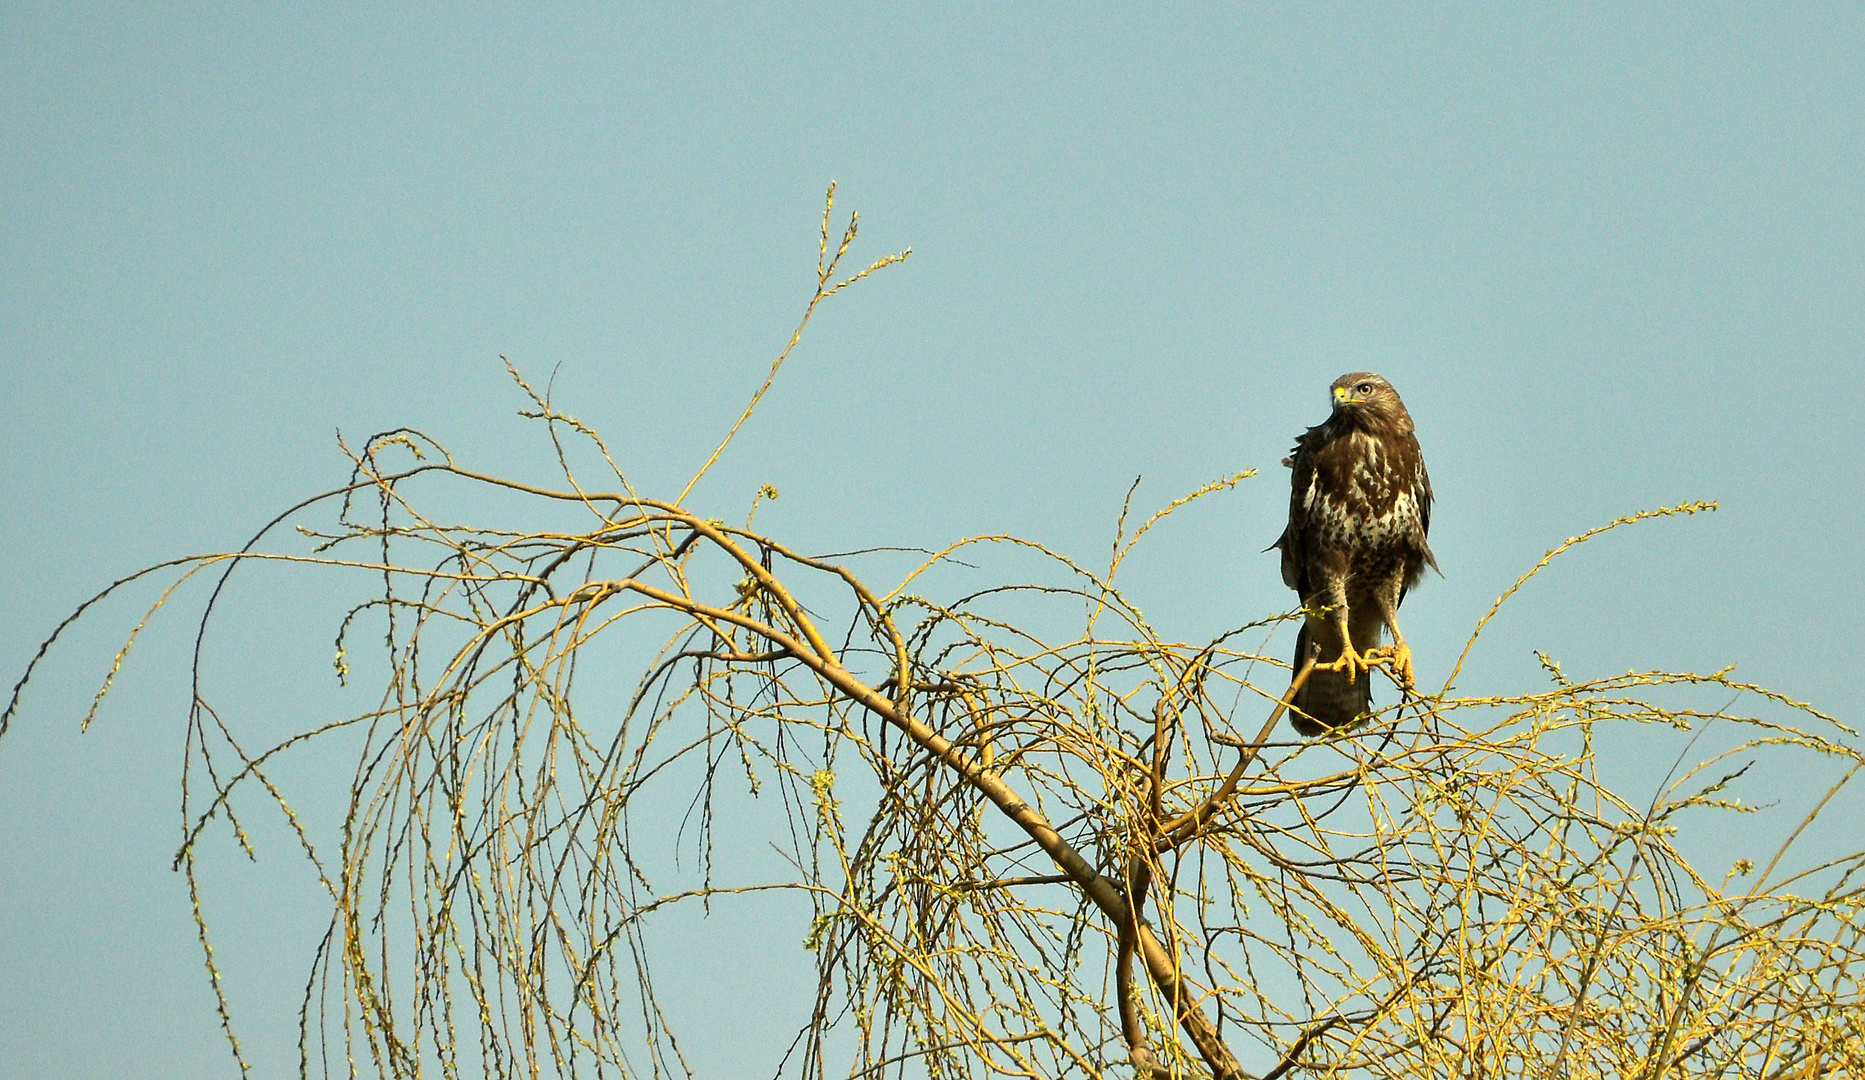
(1612, 256)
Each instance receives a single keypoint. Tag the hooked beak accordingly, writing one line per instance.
(1343, 396)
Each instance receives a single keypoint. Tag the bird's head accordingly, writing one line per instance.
(1368, 400)
(1369, 403)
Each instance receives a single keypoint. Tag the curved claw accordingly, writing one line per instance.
(1396, 659)
(1350, 662)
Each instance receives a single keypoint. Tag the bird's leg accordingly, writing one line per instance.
(1349, 662)
(1398, 654)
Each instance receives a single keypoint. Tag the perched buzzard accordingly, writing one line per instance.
(1358, 515)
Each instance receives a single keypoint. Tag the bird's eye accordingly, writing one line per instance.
(1365, 388)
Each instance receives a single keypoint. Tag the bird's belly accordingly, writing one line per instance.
(1375, 547)
(1374, 564)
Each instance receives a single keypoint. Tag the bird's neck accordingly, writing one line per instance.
(1346, 423)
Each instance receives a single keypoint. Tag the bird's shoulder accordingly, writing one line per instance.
(1307, 444)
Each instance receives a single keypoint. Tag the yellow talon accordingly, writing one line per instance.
(1350, 662)
(1396, 659)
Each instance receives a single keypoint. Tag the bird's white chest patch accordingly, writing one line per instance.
(1366, 516)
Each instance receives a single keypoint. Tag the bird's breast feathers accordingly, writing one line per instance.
(1362, 492)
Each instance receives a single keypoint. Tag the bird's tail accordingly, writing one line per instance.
(1329, 699)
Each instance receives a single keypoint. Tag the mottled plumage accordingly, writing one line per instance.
(1359, 510)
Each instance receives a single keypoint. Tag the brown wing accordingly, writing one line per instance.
(1293, 542)
(1421, 498)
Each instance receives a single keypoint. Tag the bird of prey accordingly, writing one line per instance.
(1358, 514)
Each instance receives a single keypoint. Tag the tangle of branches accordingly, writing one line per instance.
(1037, 835)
